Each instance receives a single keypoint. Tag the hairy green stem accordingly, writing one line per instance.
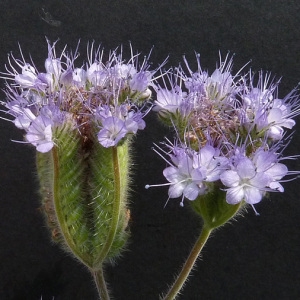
(100, 284)
(189, 264)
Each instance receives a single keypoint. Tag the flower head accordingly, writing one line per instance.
(233, 128)
(110, 98)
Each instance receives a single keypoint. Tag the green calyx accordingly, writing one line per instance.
(84, 194)
(213, 208)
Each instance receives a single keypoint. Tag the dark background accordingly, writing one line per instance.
(252, 258)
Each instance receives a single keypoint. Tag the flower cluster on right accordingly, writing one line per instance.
(230, 130)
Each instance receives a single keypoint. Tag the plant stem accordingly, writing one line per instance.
(100, 284)
(189, 264)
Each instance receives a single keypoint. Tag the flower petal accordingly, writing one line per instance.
(191, 191)
(252, 195)
(176, 190)
(235, 195)
(230, 178)
(245, 168)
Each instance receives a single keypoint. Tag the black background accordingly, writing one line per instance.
(251, 258)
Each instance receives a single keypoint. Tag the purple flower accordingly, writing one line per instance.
(169, 100)
(27, 78)
(112, 132)
(190, 171)
(79, 77)
(267, 162)
(53, 66)
(116, 123)
(250, 178)
(134, 122)
(220, 86)
(209, 161)
(140, 81)
(97, 75)
(39, 134)
(24, 119)
(262, 108)
(184, 180)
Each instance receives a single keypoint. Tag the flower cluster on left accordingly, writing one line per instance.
(80, 120)
(112, 95)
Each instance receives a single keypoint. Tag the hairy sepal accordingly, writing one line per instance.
(84, 195)
(108, 185)
(213, 208)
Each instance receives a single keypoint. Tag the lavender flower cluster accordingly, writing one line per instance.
(230, 129)
(230, 132)
(112, 95)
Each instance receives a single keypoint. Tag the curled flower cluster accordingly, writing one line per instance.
(230, 132)
(190, 171)
(111, 96)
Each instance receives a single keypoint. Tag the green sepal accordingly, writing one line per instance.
(213, 208)
(84, 195)
(174, 119)
(108, 185)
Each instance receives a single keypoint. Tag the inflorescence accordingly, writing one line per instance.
(112, 96)
(230, 129)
